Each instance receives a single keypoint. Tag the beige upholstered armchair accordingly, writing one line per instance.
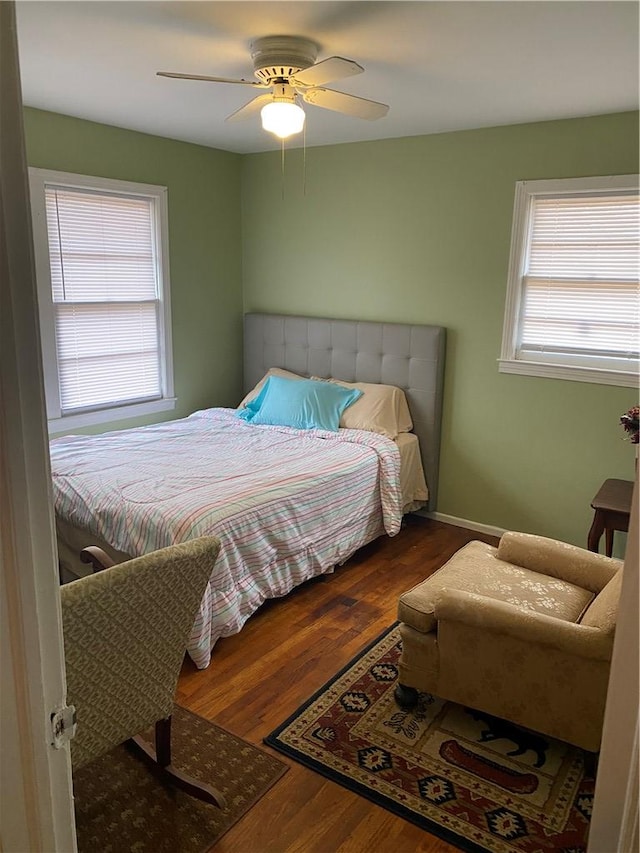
(523, 632)
(125, 635)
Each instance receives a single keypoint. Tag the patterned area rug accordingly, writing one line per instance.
(475, 781)
(122, 806)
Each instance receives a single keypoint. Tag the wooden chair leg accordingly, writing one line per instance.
(591, 763)
(163, 742)
(160, 761)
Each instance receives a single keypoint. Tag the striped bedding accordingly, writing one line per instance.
(287, 504)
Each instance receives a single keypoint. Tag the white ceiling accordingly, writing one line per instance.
(439, 65)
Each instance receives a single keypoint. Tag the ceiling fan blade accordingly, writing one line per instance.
(333, 68)
(210, 79)
(343, 103)
(250, 109)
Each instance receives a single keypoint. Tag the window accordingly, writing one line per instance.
(573, 301)
(103, 290)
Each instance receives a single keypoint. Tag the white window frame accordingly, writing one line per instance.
(577, 368)
(39, 180)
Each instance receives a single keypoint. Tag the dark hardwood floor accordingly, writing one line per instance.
(286, 652)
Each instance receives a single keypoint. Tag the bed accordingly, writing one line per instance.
(137, 490)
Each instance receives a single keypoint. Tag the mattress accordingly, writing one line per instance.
(413, 485)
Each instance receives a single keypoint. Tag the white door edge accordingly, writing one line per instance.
(35, 779)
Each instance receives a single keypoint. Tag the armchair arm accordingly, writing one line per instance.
(558, 559)
(97, 557)
(488, 614)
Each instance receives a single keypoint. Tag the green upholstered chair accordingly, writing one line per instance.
(523, 632)
(125, 634)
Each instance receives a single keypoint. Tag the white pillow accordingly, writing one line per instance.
(273, 371)
(382, 409)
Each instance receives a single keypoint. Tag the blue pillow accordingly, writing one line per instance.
(299, 403)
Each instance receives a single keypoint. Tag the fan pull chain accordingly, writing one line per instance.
(282, 169)
(304, 159)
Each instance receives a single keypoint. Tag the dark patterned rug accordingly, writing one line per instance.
(475, 781)
(122, 806)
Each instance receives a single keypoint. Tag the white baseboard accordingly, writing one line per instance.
(489, 529)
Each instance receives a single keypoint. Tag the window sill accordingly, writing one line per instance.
(104, 416)
(565, 371)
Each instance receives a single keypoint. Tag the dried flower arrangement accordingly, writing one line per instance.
(630, 423)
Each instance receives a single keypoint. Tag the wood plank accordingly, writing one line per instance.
(288, 650)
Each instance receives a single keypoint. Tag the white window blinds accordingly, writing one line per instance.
(580, 297)
(104, 283)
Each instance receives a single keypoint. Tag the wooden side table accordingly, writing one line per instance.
(612, 509)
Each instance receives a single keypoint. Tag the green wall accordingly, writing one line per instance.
(413, 229)
(204, 242)
(418, 230)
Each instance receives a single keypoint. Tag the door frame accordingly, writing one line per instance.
(35, 778)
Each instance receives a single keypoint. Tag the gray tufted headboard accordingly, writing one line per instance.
(409, 356)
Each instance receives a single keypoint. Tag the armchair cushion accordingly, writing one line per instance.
(477, 568)
(539, 629)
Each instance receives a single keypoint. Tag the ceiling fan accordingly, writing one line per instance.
(286, 66)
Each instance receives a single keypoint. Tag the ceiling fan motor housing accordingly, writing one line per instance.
(276, 58)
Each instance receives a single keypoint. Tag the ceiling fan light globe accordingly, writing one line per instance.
(283, 119)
